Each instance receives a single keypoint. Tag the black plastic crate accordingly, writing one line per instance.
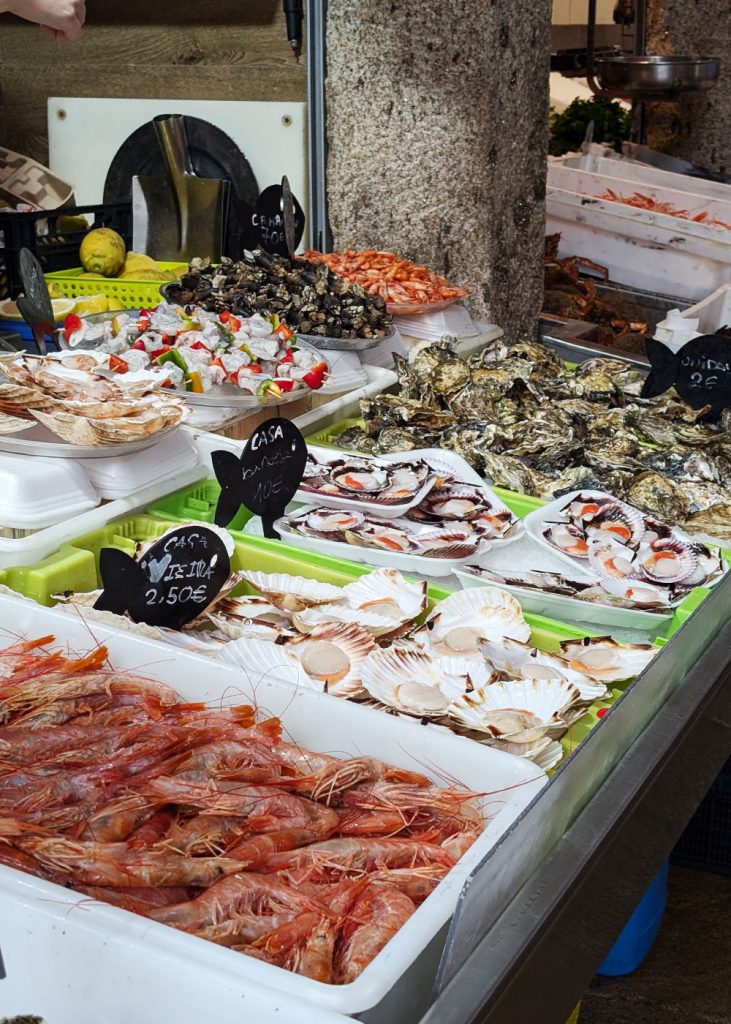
(54, 249)
(706, 842)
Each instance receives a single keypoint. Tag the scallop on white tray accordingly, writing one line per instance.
(444, 463)
(541, 518)
(376, 508)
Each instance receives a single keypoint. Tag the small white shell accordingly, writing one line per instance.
(612, 561)
(333, 654)
(388, 594)
(263, 661)
(605, 658)
(292, 593)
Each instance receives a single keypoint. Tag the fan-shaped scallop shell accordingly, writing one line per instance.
(461, 620)
(333, 654)
(618, 523)
(74, 429)
(360, 479)
(458, 502)
(521, 661)
(668, 561)
(521, 710)
(415, 684)
(612, 561)
(605, 658)
(263, 661)
(567, 538)
(292, 593)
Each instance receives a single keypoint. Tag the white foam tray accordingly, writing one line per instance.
(443, 461)
(319, 722)
(537, 521)
(705, 317)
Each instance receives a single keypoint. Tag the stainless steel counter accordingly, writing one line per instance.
(541, 912)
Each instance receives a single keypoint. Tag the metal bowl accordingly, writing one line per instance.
(655, 77)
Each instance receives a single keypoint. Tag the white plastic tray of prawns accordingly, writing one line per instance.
(62, 919)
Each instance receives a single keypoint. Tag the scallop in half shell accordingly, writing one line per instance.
(292, 593)
(333, 654)
(522, 661)
(605, 658)
(462, 620)
(329, 523)
(521, 710)
(668, 561)
(616, 522)
(382, 602)
(415, 684)
(263, 661)
(357, 478)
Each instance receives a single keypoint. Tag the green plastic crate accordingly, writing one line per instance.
(197, 502)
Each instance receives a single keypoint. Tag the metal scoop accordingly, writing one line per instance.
(180, 216)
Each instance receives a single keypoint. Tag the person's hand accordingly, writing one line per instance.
(61, 19)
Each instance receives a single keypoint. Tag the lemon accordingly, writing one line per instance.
(144, 275)
(91, 304)
(138, 261)
(61, 309)
(102, 252)
(55, 290)
(75, 223)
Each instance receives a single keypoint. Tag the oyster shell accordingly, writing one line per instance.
(657, 496)
(333, 654)
(292, 593)
(605, 658)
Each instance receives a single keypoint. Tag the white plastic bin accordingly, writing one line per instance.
(317, 722)
(706, 317)
(654, 252)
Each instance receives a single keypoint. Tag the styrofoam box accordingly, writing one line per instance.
(705, 317)
(69, 967)
(317, 722)
(36, 493)
(647, 250)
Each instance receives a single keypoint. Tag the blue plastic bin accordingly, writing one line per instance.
(641, 930)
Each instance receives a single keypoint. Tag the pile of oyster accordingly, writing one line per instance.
(639, 560)
(308, 297)
(526, 422)
(80, 405)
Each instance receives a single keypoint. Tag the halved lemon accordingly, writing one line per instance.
(61, 309)
(89, 304)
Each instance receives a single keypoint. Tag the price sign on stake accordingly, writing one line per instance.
(174, 581)
(269, 221)
(265, 478)
(700, 371)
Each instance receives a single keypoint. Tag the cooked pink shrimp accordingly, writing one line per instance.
(378, 912)
(358, 855)
(140, 900)
(305, 945)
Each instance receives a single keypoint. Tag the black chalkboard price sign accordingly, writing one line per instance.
(265, 477)
(700, 371)
(174, 581)
(269, 221)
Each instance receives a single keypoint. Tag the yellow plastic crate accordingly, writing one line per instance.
(574, 1018)
(126, 294)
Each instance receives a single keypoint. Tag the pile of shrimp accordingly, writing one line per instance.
(396, 280)
(643, 202)
(205, 819)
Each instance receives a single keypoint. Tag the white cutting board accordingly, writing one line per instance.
(84, 135)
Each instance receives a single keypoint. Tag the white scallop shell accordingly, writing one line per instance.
(519, 661)
(638, 592)
(521, 710)
(250, 608)
(262, 661)
(415, 684)
(388, 594)
(349, 645)
(292, 593)
(464, 618)
(605, 658)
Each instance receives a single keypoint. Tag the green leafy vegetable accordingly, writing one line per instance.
(611, 124)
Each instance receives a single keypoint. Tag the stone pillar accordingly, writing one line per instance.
(698, 127)
(437, 133)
